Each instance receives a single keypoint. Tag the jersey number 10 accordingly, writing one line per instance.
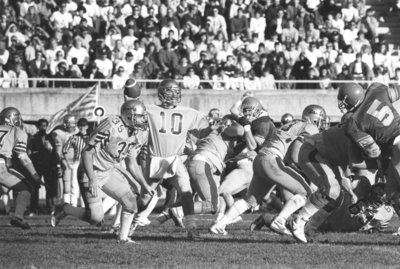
(175, 123)
(384, 114)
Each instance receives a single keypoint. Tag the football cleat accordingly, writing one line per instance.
(113, 230)
(160, 219)
(257, 224)
(218, 229)
(278, 225)
(296, 227)
(128, 241)
(17, 222)
(177, 216)
(57, 216)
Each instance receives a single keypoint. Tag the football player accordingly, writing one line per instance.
(116, 139)
(258, 126)
(13, 147)
(270, 169)
(169, 126)
(68, 183)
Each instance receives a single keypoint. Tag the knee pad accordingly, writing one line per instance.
(128, 202)
(95, 213)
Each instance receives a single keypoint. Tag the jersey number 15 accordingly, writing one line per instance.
(384, 114)
(175, 123)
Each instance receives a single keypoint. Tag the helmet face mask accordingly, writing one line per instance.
(251, 108)
(169, 93)
(134, 115)
(11, 116)
(70, 123)
(315, 114)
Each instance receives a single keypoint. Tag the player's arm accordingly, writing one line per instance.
(20, 151)
(234, 130)
(136, 170)
(363, 140)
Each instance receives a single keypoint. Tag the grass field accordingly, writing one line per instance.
(74, 244)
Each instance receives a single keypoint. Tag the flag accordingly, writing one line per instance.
(81, 108)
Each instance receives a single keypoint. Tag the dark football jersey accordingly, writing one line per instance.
(376, 117)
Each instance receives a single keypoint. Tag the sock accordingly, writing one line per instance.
(67, 198)
(21, 203)
(126, 221)
(190, 222)
(118, 216)
(77, 212)
(308, 211)
(108, 203)
(292, 205)
(149, 208)
(237, 209)
(74, 200)
(203, 207)
(229, 201)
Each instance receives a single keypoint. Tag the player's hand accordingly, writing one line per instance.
(93, 187)
(149, 190)
(244, 121)
(354, 198)
(60, 171)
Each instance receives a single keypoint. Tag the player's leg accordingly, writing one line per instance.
(205, 184)
(325, 178)
(258, 189)
(13, 180)
(75, 194)
(236, 181)
(117, 186)
(67, 179)
(171, 196)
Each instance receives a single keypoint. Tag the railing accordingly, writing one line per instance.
(211, 84)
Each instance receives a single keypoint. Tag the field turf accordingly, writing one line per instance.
(74, 244)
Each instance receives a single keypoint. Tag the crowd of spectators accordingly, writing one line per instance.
(207, 44)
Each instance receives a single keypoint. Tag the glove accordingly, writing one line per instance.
(59, 171)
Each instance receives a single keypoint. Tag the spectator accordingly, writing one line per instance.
(293, 9)
(61, 19)
(201, 63)
(258, 25)
(104, 64)
(167, 59)
(150, 68)
(93, 73)
(291, 54)
(165, 30)
(119, 79)
(193, 19)
(32, 18)
(78, 52)
(260, 65)
(37, 69)
(239, 23)
(55, 62)
(62, 74)
(325, 79)
(350, 13)
(216, 23)
(359, 42)
(267, 80)
(171, 21)
(221, 80)
(183, 67)
(359, 70)
(367, 56)
(348, 55)
(236, 42)
(74, 69)
(313, 54)
(330, 54)
(18, 77)
(290, 33)
(381, 75)
(243, 64)
(251, 82)
(4, 78)
(290, 85)
(300, 68)
(118, 53)
(312, 34)
(350, 33)
(191, 80)
(137, 52)
(205, 75)
(371, 25)
(382, 58)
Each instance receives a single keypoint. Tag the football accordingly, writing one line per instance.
(132, 89)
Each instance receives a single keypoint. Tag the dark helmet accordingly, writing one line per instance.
(315, 114)
(286, 118)
(350, 96)
(10, 116)
(169, 92)
(133, 113)
(251, 108)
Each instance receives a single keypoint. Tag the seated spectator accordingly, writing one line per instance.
(338, 65)
(81, 15)
(381, 75)
(104, 64)
(239, 23)
(222, 54)
(55, 62)
(37, 68)
(205, 75)
(18, 77)
(32, 18)
(328, 29)
(62, 73)
(93, 73)
(360, 70)
(170, 27)
(383, 58)
(359, 42)
(188, 44)
(193, 19)
(267, 80)
(128, 63)
(348, 55)
(344, 74)
(167, 59)
(150, 68)
(290, 33)
(216, 23)
(74, 69)
(258, 25)
(367, 57)
(171, 39)
(313, 54)
(79, 52)
(24, 7)
(236, 82)
(299, 70)
(350, 13)
(61, 19)
(221, 80)
(236, 42)
(338, 22)
(113, 34)
(119, 79)
(137, 52)
(151, 38)
(201, 63)
(325, 79)
(118, 53)
(287, 76)
(251, 82)
(128, 39)
(293, 9)
(191, 81)
(183, 66)
(330, 54)
(291, 54)
(4, 78)
(259, 66)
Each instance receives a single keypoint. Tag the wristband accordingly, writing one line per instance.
(247, 128)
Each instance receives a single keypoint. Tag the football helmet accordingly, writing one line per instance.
(286, 118)
(315, 114)
(251, 108)
(350, 96)
(10, 116)
(134, 115)
(70, 123)
(169, 93)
